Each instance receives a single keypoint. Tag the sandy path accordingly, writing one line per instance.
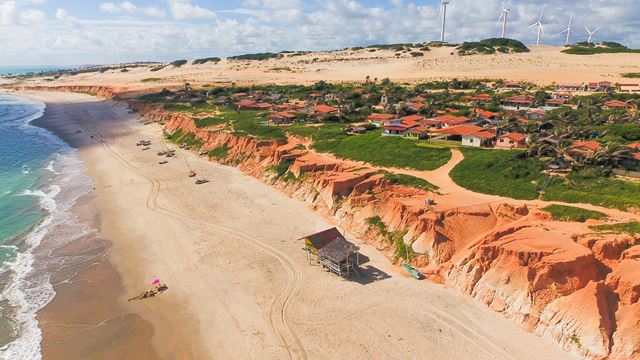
(451, 195)
(239, 286)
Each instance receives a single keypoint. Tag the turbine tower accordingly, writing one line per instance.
(443, 13)
(539, 25)
(590, 39)
(567, 30)
(503, 18)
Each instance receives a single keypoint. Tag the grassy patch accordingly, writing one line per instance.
(499, 172)
(570, 213)
(631, 75)
(377, 223)
(151, 79)
(208, 121)
(408, 180)
(386, 151)
(281, 168)
(318, 133)
(631, 228)
(607, 192)
(175, 136)
(219, 152)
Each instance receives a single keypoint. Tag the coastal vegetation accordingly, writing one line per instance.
(570, 213)
(386, 151)
(408, 180)
(396, 238)
(607, 47)
(631, 228)
(179, 63)
(492, 46)
(499, 172)
(631, 75)
(219, 152)
(587, 176)
(258, 57)
(214, 60)
(151, 79)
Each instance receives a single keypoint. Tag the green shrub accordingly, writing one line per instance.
(179, 63)
(206, 60)
(408, 180)
(570, 213)
(259, 56)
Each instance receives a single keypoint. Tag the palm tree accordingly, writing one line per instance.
(612, 155)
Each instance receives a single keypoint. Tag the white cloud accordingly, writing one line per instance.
(271, 25)
(183, 10)
(8, 12)
(32, 17)
(130, 8)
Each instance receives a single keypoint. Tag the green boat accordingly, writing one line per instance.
(415, 273)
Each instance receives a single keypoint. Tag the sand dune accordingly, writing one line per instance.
(543, 65)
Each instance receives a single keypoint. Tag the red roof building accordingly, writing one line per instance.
(324, 109)
(412, 118)
(512, 141)
(584, 148)
(616, 104)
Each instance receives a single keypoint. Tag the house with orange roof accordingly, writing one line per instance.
(615, 104)
(482, 98)
(410, 118)
(600, 86)
(380, 119)
(398, 129)
(415, 106)
(519, 102)
(486, 115)
(555, 103)
(451, 120)
(470, 135)
(418, 132)
(562, 96)
(535, 114)
(281, 118)
(511, 141)
(583, 149)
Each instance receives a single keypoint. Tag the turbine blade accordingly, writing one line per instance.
(532, 25)
(598, 28)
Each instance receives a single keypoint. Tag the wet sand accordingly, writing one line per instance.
(239, 286)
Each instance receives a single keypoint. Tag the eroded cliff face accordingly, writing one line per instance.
(557, 280)
(102, 92)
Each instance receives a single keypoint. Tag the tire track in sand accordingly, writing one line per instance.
(278, 308)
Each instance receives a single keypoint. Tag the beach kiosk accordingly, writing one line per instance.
(332, 251)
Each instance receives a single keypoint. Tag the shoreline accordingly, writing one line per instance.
(226, 255)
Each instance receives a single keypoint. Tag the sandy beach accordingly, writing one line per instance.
(239, 286)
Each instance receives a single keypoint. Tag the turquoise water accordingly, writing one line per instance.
(40, 180)
(20, 70)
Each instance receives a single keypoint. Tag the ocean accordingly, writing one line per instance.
(41, 178)
(20, 70)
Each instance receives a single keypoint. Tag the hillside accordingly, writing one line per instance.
(492, 46)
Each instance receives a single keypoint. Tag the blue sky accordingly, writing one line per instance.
(73, 32)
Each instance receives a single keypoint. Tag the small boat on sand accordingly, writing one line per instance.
(415, 273)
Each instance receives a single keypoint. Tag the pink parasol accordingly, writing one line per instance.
(155, 281)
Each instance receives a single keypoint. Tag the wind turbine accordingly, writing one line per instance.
(567, 30)
(503, 18)
(591, 34)
(443, 13)
(539, 25)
